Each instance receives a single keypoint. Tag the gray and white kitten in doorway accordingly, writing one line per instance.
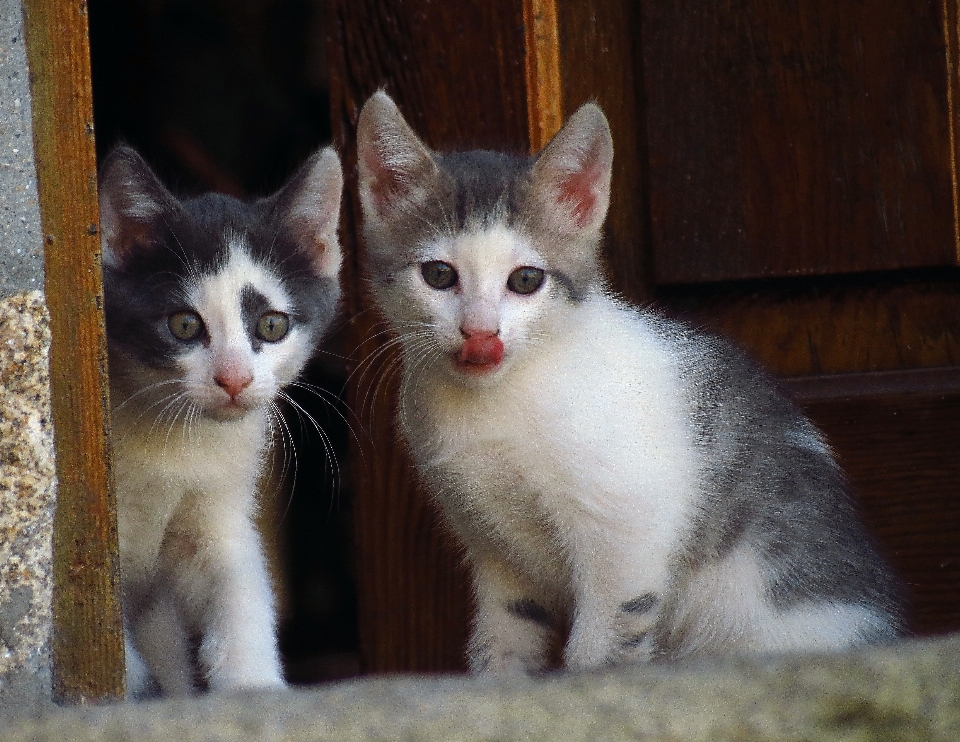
(605, 468)
(213, 305)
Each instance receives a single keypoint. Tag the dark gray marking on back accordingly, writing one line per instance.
(763, 491)
(529, 610)
(634, 641)
(641, 604)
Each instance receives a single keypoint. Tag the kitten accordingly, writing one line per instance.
(604, 467)
(212, 307)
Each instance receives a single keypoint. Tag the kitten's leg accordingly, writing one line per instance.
(513, 629)
(139, 681)
(222, 577)
(158, 634)
(620, 583)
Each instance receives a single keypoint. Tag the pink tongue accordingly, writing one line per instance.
(482, 350)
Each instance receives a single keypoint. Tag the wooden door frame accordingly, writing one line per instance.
(88, 649)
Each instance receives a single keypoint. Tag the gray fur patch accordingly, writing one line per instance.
(634, 641)
(576, 294)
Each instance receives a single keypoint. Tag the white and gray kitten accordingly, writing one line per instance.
(213, 305)
(605, 468)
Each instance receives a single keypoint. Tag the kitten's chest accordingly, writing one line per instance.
(154, 471)
(605, 440)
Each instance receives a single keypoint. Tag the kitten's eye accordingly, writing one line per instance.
(185, 325)
(439, 275)
(525, 280)
(273, 326)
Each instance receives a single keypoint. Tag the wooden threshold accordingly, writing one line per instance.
(926, 381)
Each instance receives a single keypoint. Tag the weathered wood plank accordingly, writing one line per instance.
(833, 326)
(88, 632)
(545, 111)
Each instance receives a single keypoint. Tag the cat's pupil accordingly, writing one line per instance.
(185, 325)
(273, 326)
(525, 280)
(439, 275)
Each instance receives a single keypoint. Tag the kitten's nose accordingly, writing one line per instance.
(470, 330)
(233, 382)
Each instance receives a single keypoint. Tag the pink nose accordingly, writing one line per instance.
(233, 382)
(481, 349)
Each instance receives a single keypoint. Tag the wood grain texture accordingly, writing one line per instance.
(87, 633)
(797, 139)
(824, 388)
(951, 41)
(833, 326)
(600, 61)
(544, 84)
(459, 78)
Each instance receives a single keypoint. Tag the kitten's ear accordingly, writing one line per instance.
(571, 177)
(394, 164)
(132, 198)
(312, 210)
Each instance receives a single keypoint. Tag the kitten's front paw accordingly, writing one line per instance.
(243, 665)
(247, 681)
(486, 661)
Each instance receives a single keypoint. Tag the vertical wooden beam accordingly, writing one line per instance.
(544, 86)
(951, 43)
(88, 661)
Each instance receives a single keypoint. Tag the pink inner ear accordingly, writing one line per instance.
(385, 184)
(578, 193)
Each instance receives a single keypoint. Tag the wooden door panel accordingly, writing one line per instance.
(797, 138)
(832, 326)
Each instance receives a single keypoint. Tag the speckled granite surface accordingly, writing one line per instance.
(27, 492)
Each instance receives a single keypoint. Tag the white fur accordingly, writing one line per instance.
(723, 608)
(572, 469)
(566, 470)
(186, 464)
(571, 473)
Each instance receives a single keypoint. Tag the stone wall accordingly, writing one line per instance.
(27, 479)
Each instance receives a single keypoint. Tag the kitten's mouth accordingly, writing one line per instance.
(480, 354)
(232, 410)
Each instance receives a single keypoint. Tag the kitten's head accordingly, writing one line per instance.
(213, 304)
(473, 256)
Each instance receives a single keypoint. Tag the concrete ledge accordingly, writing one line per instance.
(907, 692)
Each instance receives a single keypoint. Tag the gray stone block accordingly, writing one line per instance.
(906, 692)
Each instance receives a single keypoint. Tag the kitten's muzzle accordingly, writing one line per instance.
(233, 382)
